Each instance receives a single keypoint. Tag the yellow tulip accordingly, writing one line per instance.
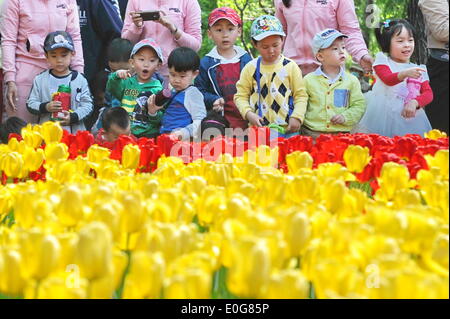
(40, 254)
(192, 284)
(407, 197)
(332, 194)
(108, 213)
(62, 172)
(51, 132)
(33, 159)
(335, 171)
(133, 217)
(5, 202)
(439, 252)
(12, 164)
(94, 251)
(302, 188)
(31, 137)
(439, 160)
(12, 282)
(437, 195)
(68, 244)
(131, 156)
(70, 209)
(248, 277)
(57, 288)
(356, 158)
(145, 279)
(435, 134)
(297, 233)
(393, 177)
(287, 284)
(55, 152)
(298, 160)
(96, 154)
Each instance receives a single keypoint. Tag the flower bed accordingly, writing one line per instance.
(348, 216)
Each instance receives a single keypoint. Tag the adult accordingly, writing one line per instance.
(123, 8)
(25, 24)
(435, 13)
(179, 25)
(1, 74)
(302, 19)
(100, 23)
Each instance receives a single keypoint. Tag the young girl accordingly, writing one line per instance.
(401, 91)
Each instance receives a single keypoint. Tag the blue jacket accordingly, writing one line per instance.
(206, 81)
(100, 23)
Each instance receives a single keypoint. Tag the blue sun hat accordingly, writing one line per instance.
(325, 38)
(58, 39)
(265, 26)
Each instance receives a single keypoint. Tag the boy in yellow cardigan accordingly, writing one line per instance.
(335, 100)
(270, 91)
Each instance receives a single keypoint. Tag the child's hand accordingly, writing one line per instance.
(53, 106)
(137, 19)
(410, 109)
(338, 119)
(123, 74)
(294, 125)
(151, 105)
(218, 105)
(414, 73)
(254, 119)
(65, 119)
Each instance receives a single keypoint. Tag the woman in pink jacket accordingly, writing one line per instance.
(25, 24)
(302, 19)
(179, 25)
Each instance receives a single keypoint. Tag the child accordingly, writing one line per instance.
(221, 67)
(186, 108)
(146, 57)
(59, 51)
(13, 125)
(335, 100)
(115, 122)
(118, 53)
(270, 90)
(395, 104)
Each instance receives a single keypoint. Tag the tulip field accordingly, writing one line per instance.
(345, 216)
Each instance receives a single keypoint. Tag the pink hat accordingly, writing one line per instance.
(224, 13)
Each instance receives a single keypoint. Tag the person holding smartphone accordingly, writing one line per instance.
(172, 23)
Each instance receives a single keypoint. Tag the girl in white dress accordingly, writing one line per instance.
(395, 104)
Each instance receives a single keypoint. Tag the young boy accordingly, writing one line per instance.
(270, 90)
(336, 102)
(59, 50)
(118, 55)
(220, 69)
(115, 122)
(146, 57)
(186, 108)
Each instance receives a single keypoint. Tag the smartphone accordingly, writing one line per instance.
(149, 15)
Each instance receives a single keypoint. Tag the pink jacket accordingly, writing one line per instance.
(26, 23)
(305, 18)
(186, 14)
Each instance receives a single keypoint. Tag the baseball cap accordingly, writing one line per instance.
(151, 43)
(224, 13)
(265, 26)
(58, 39)
(325, 38)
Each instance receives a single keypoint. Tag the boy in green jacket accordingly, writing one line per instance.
(133, 91)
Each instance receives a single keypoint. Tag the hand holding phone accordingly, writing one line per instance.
(149, 15)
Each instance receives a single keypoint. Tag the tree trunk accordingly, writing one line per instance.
(415, 17)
